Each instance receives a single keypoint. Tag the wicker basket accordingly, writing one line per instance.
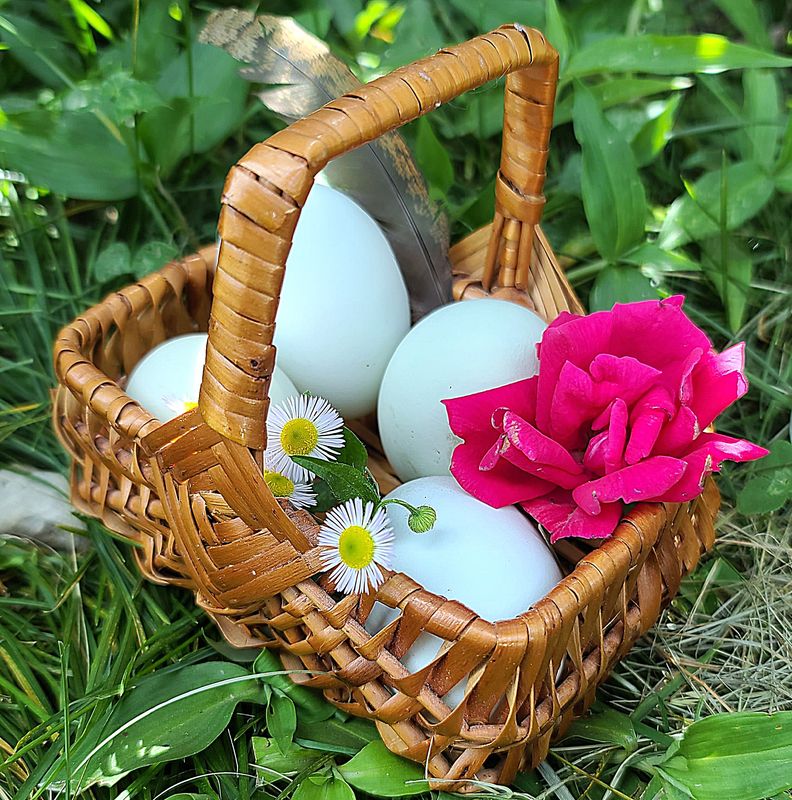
(191, 495)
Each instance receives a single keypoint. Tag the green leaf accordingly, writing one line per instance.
(613, 195)
(323, 787)
(655, 133)
(167, 716)
(312, 706)
(152, 256)
(113, 262)
(274, 762)
(346, 736)
(416, 34)
(695, 215)
(197, 120)
(39, 50)
(654, 260)
(740, 756)
(188, 796)
(619, 284)
(669, 55)
(433, 158)
(762, 110)
(730, 269)
(770, 488)
(557, 32)
(379, 772)
(608, 726)
(345, 481)
(80, 158)
(615, 91)
(281, 719)
(488, 14)
(745, 16)
(118, 95)
(354, 451)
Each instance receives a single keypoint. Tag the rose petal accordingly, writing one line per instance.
(563, 518)
(473, 412)
(646, 421)
(537, 454)
(503, 485)
(708, 454)
(606, 450)
(644, 481)
(717, 382)
(678, 433)
(581, 396)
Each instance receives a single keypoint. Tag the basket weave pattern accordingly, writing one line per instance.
(191, 495)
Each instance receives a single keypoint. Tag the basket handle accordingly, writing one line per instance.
(266, 189)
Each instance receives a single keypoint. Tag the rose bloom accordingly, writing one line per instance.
(617, 414)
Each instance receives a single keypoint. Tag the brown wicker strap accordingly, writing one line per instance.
(265, 191)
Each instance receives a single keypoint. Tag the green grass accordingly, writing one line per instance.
(77, 631)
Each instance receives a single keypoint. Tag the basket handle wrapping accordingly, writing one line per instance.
(266, 189)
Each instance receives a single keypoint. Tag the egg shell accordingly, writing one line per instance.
(456, 350)
(343, 307)
(492, 560)
(169, 376)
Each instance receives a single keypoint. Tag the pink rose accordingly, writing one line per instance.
(617, 414)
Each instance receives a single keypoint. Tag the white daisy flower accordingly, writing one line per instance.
(356, 540)
(302, 426)
(300, 495)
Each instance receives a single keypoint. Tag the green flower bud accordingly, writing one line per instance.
(422, 519)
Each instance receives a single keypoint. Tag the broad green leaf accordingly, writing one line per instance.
(619, 284)
(274, 762)
(488, 14)
(323, 787)
(80, 158)
(354, 451)
(740, 756)
(695, 215)
(655, 261)
(113, 262)
(613, 195)
(346, 736)
(197, 120)
(167, 716)
(608, 726)
(669, 55)
(770, 487)
(312, 706)
(557, 33)
(745, 16)
(615, 91)
(655, 133)
(762, 110)
(379, 772)
(188, 796)
(416, 34)
(39, 50)
(730, 269)
(152, 256)
(281, 719)
(433, 158)
(345, 482)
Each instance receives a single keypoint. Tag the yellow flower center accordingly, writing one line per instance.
(299, 437)
(189, 405)
(356, 547)
(279, 485)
